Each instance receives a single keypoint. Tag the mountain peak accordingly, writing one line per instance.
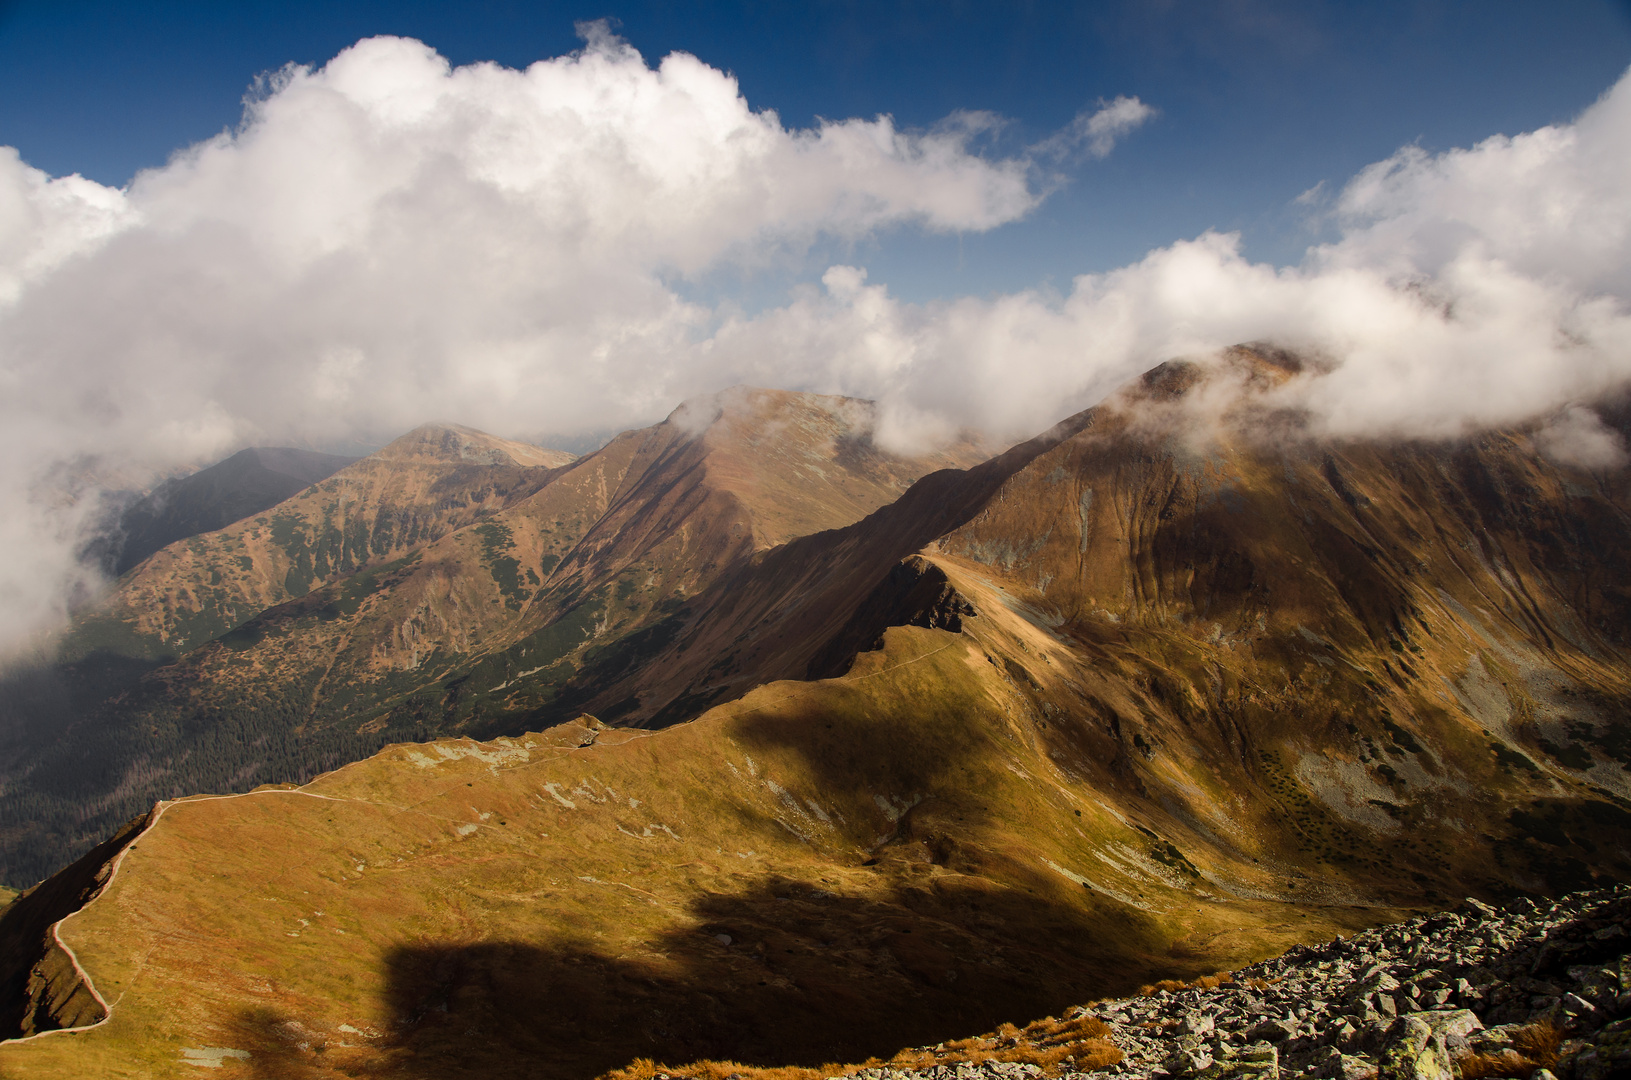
(744, 406)
(803, 462)
(456, 443)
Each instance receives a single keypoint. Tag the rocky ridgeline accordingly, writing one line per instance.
(1534, 991)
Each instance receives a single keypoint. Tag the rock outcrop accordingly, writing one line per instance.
(1532, 991)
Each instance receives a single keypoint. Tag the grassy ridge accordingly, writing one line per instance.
(819, 872)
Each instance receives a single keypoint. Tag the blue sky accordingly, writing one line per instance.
(1259, 100)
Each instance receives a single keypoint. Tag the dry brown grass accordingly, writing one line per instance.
(1540, 1043)
(1080, 1044)
(1205, 982)
(1534, 1047)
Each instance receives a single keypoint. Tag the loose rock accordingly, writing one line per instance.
(1534, 990)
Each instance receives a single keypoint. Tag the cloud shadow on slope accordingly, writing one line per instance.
(806, 978)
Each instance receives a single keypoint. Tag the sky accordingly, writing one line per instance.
(1260, 101)
(320, 224)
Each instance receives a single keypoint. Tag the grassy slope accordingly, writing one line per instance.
(888, 875)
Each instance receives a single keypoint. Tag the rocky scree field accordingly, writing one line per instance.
(1537, 990)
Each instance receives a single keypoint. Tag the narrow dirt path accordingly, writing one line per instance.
(118, 862)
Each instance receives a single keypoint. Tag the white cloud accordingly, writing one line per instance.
(1098, 130)
(1479, 287)
(44, 221)
(1550, 204)
(388, 239)
(1578, 436)
(1112, 121)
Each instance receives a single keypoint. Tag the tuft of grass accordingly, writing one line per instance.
(1077, 1044)
(1540, 1043)
(1204, 982)
(1533, 1047)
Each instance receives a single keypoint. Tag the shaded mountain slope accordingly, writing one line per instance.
(245, 483)
(473, 628)
(1410, 644)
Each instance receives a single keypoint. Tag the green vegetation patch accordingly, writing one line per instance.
(496, 543)
(1401, 738)
(1572, 756)
(289, 532)
(351, 593)
(1509, 758)
(1566, 823)
(1165, 853)
(1613, 739)
(245, 637)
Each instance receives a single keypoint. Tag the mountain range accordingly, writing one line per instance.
(450, 582)
(246, 483)
(742, 738)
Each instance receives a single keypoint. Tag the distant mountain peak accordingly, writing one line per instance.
(754, 406)
(212, 498)
(455, 443)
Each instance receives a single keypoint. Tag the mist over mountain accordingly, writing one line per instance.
(213, 498)
(595, 195)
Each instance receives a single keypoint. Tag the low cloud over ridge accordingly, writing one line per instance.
(388, 239)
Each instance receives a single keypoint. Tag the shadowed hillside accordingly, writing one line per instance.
(820, 871)
(450, 582)
(245, 483)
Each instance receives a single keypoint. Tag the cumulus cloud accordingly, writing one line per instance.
(1479, 287)
(388, 239)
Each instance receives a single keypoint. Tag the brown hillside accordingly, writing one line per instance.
(611, 541)
(817, 872)
(1420, 646)
(526, 574)
(431, 481)
(651, 519)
